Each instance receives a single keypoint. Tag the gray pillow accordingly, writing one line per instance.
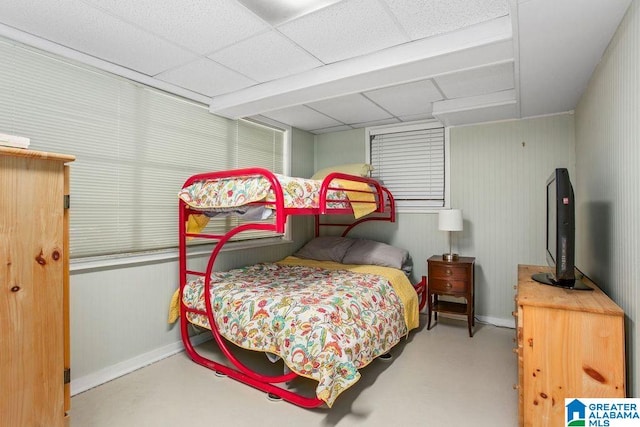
(328, 248)
(369, 252)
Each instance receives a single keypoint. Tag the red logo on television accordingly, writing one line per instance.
(565, 200)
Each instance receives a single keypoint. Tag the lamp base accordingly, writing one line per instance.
(450, 257)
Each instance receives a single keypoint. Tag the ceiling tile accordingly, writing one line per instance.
(422, 18)
(406, 99)
(206, 77)
(413, 118)
(80, 27)
(376, 123)
(473, 109)
(486, 114)
(350, 109)
(200, 25)
(346, 29)
(302, 117)
(332, 129)
(276, 55)
(478, 81)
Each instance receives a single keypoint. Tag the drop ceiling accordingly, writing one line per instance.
(337, 65)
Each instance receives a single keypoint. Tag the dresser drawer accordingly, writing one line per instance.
(448, 272)
(447, 286)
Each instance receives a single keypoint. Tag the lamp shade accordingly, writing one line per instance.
(450, 220)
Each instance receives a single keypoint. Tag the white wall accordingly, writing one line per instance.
(118, 313)
(500, 186)
(608, 179)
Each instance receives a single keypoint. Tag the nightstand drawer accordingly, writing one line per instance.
(447, 286)
(455, 279)
(448, 272)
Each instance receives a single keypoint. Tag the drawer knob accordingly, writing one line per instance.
(448, 272)
(448, 286)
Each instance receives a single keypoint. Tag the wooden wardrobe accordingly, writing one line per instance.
(34, 288)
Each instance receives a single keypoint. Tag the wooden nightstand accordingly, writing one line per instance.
(452, 278)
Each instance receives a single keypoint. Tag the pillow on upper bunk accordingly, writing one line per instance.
(326, 248)
(370, 252)
(358, 169)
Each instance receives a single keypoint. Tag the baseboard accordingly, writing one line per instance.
(109, 373)
(497, 321)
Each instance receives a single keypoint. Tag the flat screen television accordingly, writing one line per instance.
(560, 234)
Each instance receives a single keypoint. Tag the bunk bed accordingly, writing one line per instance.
(324, 319)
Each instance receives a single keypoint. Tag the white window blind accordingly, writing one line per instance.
(411, 164)
(134, 147)
(258, 145)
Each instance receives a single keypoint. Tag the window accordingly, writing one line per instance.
(134, 146)
(411, 161)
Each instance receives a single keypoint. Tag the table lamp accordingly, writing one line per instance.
(450, 220)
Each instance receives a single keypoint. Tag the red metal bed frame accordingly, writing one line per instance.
(385, 211)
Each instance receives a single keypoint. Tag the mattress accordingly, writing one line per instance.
(324, 323)
(224, 194)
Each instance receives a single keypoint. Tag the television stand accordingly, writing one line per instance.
(547, 279)
(569, 344)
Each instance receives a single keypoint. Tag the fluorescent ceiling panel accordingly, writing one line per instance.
(265, 57)
(206, 77)
(276, 12)
(199, 25)
(344, 30)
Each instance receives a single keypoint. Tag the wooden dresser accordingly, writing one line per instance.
(34, 285)
(570, 344)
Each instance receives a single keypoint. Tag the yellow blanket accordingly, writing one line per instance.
(396, 277)
(359, 209)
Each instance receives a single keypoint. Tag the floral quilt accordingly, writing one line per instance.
(239, 191)
(324, 324)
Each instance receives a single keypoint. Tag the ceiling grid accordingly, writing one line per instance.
(324, 65)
